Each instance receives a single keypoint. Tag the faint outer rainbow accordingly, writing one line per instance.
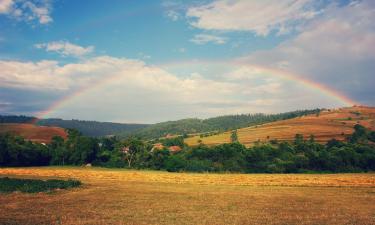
(268, 71)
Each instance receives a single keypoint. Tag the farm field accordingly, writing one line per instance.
(117, 196)
(40, 134)
(330, 124)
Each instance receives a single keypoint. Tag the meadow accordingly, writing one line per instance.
(119, 196)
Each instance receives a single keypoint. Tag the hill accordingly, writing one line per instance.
(93, 128)
(40, 134)
(88, 128)
(215, 124)
(324, 126)
(16, 119)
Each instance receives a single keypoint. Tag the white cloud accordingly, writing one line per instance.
(127, 90)
(25, 10)
(65, 48)
(41, 13)
(206, 38)
(258, 16)
(40, 75)
(6, 6)
(336, 49)
(173, 9)
(173, 15)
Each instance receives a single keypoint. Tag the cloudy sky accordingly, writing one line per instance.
(151, 61)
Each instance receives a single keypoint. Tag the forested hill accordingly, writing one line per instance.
(179, 127)
(93, 128)
(16, 119)
(88, 128)
(215, 124)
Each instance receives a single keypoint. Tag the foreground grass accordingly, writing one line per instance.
(33, 186)
(114, 196)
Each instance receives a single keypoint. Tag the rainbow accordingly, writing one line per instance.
(267, 71)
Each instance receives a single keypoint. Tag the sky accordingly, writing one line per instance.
(152, 61)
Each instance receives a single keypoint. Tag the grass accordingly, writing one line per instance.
(8, 185)
(324, 127)
(118, 196)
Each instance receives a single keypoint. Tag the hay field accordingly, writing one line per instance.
(116, 196)
(336, 124)
(40, 134)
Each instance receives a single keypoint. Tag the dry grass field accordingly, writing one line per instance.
(115, 196)
(329, 124)
(40, 134)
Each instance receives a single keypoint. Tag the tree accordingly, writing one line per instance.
(298, 139)
(360, 134)
(130, 148)
(233, 136)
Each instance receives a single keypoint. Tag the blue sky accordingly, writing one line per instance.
(150, 61)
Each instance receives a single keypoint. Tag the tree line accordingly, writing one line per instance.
(356, 154)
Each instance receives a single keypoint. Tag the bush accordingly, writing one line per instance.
(8, 185)
(175, 163)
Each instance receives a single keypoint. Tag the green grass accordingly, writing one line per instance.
(8, 185)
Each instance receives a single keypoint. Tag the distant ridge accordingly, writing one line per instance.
(88, 128)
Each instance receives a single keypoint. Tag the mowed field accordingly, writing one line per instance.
(330, 124)
(40, 134)
(116, 196)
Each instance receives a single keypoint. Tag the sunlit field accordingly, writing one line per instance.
(116, 196)
(330, 124)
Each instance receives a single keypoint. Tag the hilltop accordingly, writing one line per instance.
(325, 125)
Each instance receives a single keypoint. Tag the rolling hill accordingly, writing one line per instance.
(214, 124)
(40, 134)
(327, 124)
(93, 128)
(88, 128)
(147, 131)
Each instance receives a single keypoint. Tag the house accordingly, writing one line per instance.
(160, 146)
(157, 146)
(174, 148)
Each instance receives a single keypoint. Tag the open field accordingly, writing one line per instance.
(40, 134)
(115, 196)
(336, 124)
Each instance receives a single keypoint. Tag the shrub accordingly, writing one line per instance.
(33, 186)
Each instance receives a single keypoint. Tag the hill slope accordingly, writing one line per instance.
(40, 134)
(324, 126)
(221, 123)
(93, 128)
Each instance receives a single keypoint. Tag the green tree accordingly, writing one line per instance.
(233, 136)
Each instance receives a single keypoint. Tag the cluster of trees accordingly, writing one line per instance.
(231, 122)
(16, 119)
(357, 154)
(215, 124)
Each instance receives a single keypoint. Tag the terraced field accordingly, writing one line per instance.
(117, 196)
(325, 126)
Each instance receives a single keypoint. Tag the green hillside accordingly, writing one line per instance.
(215, 124)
